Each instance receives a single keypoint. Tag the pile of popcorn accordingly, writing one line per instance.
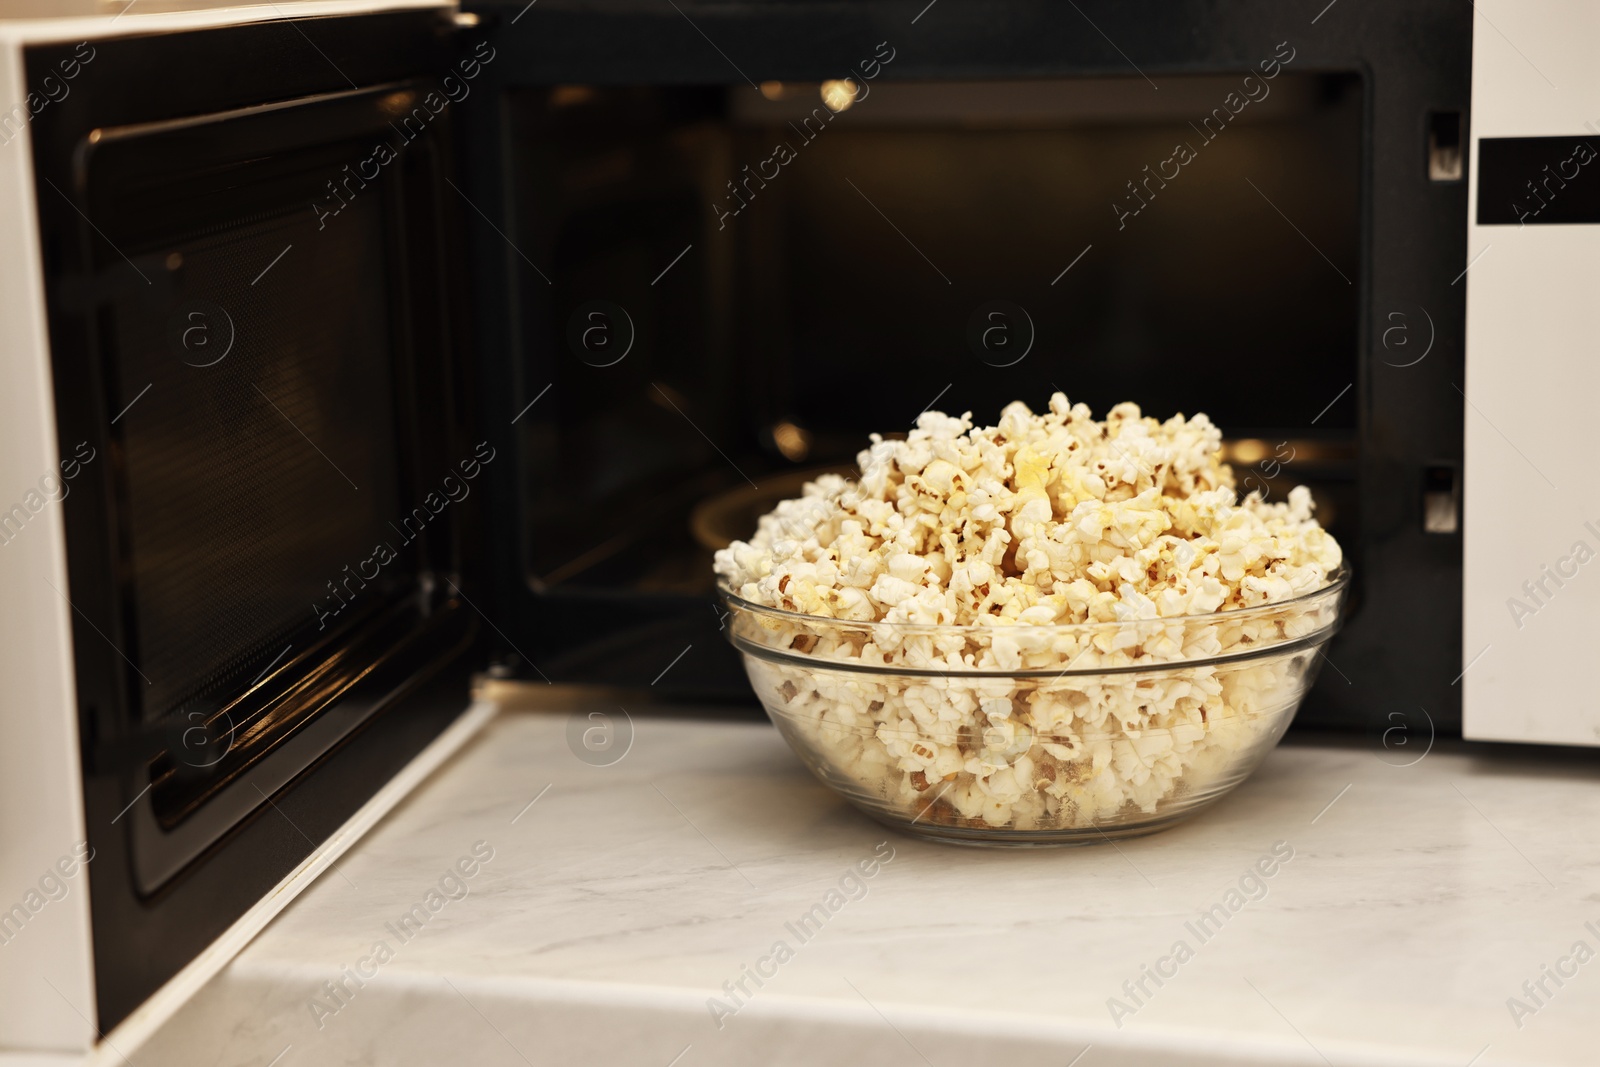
(1001, 557)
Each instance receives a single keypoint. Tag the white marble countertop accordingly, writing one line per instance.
(1417, 901)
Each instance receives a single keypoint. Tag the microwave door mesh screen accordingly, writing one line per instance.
(258, 447)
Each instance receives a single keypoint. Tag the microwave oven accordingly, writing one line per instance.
(360, 347)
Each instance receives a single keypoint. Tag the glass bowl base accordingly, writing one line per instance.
(990, 837)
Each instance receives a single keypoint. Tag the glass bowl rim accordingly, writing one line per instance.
(1167, 667)
(1338, 583)
(1315, 639)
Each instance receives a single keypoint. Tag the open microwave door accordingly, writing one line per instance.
(260, 382)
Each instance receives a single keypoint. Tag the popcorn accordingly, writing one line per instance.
(1047, 543)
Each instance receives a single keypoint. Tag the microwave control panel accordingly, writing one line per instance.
(1531, 581)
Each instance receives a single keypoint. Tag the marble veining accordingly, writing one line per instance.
(618, 916)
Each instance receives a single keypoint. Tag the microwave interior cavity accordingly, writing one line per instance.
(732, 286)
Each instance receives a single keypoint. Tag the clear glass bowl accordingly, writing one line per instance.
(1035, 735)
